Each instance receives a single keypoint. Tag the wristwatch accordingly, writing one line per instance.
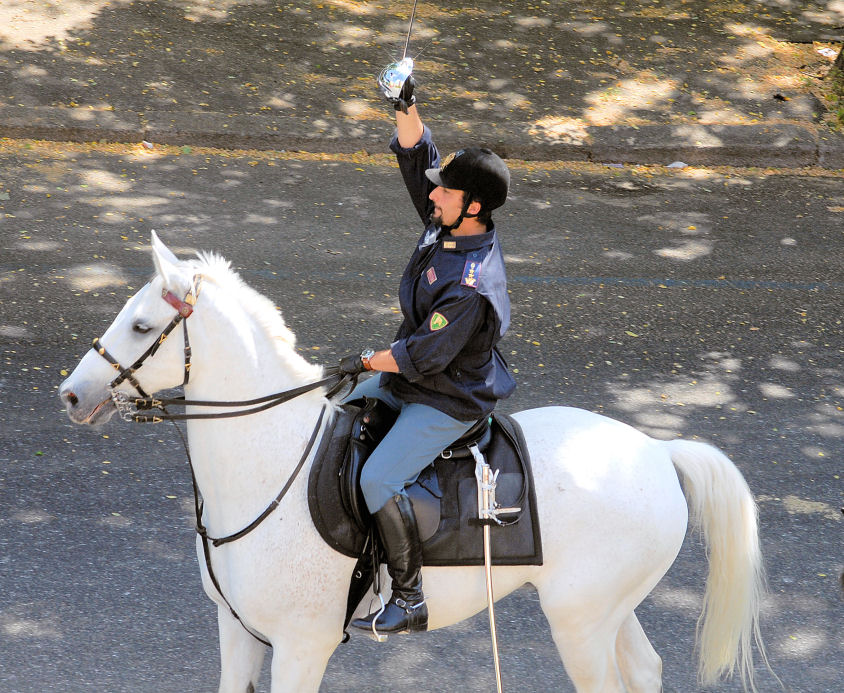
(365, 355)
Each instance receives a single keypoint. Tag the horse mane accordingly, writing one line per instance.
(262, 310)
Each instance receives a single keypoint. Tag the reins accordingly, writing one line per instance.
(219, 541)
(129, 407)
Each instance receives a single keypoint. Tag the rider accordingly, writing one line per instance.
(443, 372)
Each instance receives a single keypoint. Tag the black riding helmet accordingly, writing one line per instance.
(478, 171)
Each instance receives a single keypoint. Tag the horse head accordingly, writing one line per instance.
(134, 356)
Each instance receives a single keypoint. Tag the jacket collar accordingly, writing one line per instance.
(464, 243)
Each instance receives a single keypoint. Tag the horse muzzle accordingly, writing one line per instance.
(86, 408)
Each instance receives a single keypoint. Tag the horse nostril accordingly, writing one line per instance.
(72, 398)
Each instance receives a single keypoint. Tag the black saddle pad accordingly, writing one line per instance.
(452, 536)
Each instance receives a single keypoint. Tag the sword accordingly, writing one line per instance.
(392, 77)
(488, 512)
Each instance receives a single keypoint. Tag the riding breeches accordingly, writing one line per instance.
(419, 434)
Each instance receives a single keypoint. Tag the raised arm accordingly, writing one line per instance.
(409, 126)
(408, 122)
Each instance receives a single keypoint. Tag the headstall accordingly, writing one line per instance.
(130, 407)
(184, 309)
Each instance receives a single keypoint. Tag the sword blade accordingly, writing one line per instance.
(409, 29)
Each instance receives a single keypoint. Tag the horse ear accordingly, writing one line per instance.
(166, 265)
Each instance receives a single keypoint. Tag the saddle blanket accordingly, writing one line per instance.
(445, 499)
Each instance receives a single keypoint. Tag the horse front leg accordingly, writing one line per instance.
(241, 655)
(299, 664)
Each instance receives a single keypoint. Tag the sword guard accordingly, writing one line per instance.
(392, 78)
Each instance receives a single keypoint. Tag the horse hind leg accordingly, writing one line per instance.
(588, 650)
(241, 655)
(638, 662)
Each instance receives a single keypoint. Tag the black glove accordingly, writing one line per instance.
(351, 365)
(406, 95)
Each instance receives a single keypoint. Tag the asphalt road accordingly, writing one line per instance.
(688, 303)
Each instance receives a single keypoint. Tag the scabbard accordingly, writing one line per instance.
(486, 514)
(491, 605)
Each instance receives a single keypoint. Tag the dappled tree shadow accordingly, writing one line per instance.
(736, 341)
(559, 67)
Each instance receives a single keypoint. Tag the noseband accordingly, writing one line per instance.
(184, 308)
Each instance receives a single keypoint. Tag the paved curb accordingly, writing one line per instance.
(763, 145)
(735, 145)
(69, 124)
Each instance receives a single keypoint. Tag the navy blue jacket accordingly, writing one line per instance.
(453, 296)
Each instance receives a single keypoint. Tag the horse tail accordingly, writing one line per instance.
(722, 507)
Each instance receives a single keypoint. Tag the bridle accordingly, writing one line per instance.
(128, 407)
(184, 309)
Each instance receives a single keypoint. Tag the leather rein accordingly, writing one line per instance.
(129, 407)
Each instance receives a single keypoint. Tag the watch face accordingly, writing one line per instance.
(367, 353)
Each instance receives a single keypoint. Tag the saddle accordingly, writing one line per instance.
(444, 496)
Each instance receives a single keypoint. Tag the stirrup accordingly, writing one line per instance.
(376, 636)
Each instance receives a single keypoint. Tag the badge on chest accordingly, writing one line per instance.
(431, 275)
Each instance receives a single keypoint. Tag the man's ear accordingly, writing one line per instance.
(474, 208)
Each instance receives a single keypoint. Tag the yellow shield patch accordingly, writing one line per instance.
(437, 322)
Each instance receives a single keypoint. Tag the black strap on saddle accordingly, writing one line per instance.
(369, 427)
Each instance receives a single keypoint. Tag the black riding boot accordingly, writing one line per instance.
(406, 612)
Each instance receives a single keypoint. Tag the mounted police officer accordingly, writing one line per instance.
(443, 372)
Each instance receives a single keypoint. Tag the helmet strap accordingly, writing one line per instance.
(464, 214)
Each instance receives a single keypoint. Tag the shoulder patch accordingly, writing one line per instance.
(471, 273)
(437, 322)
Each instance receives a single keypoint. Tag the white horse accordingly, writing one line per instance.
(612, 511)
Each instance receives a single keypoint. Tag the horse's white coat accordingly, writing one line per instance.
(612, 512)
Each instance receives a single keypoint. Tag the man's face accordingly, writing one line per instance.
(448, 203)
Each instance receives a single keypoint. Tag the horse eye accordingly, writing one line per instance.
(140, 328)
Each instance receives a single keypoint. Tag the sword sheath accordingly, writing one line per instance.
(491, 600)
(487, 514)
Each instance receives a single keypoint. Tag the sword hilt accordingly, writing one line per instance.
(392, 78)
(488, 510)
